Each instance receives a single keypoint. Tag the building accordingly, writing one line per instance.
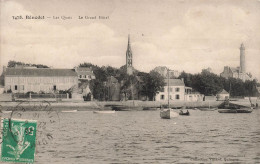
(222, 95)
(85, 73)
(176, 91)
(129, 58)
(191, 95)
(162, 70)
(47, 80)
(238, 72)
(208, 70)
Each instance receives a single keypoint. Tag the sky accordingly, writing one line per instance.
(184, 35)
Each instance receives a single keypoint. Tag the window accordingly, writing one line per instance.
(162, 90)
(15, 87)
(177, 89)
(177, 97)
(80, 76)
(162, 97)
(54, 88)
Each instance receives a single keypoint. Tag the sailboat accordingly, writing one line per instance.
(168, 113)
(227, 107)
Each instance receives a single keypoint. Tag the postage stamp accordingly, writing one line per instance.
(18, 140)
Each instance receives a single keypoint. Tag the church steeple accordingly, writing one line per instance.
(129, 58)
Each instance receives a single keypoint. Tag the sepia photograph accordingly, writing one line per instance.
(129, 81)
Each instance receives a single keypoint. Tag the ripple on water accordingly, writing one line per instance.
(142, 137)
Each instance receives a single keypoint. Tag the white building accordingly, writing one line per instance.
(192, 96)
(85, 73)
(176, 91)
(222, 95)
(22, 80)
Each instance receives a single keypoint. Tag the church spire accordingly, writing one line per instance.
(129, 58)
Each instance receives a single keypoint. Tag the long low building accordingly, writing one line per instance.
(47, 80)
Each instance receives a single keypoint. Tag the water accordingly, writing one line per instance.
(142, 137)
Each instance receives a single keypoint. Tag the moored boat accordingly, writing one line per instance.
(6, 111)
(187, 113)
(69, 111)
(168, 114)
(207, 109)
(104, 112)
(150, 108)
(227, 111)
(245, 110)
(126, 108)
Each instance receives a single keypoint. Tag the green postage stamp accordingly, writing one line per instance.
(18, 140)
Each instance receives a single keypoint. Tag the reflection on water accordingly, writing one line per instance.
(142, 137)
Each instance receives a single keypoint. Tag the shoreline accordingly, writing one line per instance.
(106, 105)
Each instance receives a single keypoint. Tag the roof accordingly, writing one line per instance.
(39, 72)
(84, 69)
(223, 91)
(174, 82)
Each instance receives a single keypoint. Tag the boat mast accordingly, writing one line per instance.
(168, 90)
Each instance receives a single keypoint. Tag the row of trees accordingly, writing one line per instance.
(210, 84)
(145, 84)
(13, 63)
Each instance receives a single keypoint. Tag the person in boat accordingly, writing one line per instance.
(188, 111)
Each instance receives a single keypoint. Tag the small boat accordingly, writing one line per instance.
(104, 112)
(207, 109)
(150, 108)
(184, 114)
(227, 107)
(6, 111)
(227, 111)
(69, 111)
(244, 110)
(168, 114)
(126, 108)
(235, 110)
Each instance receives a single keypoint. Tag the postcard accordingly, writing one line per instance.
(122, 81)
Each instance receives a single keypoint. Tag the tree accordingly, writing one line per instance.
(13, 63)
(155, 83)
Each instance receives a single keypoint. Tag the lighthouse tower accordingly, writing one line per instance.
(129, 58)
(242, 59)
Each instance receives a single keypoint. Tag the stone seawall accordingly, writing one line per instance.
(96, 105)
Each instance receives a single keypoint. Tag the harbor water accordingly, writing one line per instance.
(143, 137)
